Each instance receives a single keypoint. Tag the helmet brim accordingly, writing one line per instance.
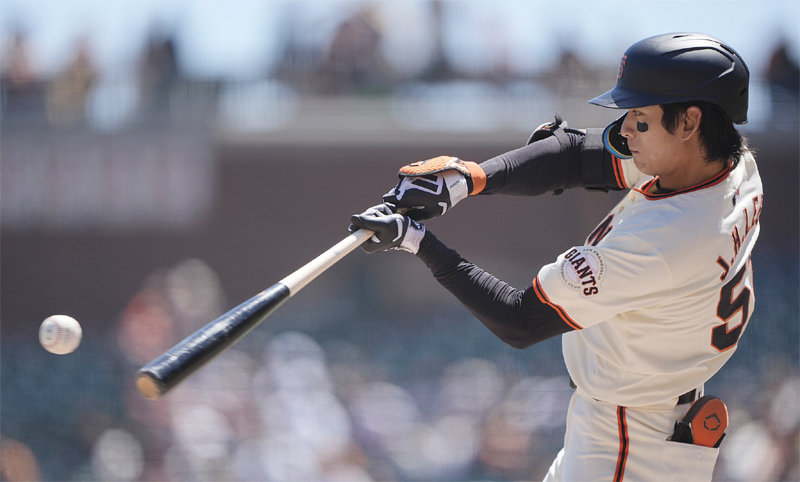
(621, 98)
(605, 100)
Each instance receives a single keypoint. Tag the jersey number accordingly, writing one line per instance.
(722, 337)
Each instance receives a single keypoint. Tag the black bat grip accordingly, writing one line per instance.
(162, 374)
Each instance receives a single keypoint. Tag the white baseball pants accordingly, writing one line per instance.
(606, 442)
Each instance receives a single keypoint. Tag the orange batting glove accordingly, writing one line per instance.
(429, 188)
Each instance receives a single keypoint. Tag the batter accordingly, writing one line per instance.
(656, 299)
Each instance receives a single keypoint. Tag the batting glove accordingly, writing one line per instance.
(392, 230)
(428, 189)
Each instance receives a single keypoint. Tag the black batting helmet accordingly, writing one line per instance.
(680, 67)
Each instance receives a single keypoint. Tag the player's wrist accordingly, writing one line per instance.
(476, 178)
(413, 236)
(431, 249)
(458, 186)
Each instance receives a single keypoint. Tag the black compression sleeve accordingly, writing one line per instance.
(552, 164)
(515, 316)
(532, 170)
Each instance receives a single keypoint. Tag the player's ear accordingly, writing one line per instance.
(690, 122)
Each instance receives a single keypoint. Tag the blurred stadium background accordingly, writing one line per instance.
(163, 161)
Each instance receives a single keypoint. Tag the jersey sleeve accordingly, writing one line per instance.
(587, 285)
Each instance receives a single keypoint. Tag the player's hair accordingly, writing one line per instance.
(719, 137)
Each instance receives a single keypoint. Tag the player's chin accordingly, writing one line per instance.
(641, 160)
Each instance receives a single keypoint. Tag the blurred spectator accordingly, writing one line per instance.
(440, 68)
(782, 421)
(117, 455)
(17, 65)
(158, 72)
(353, 61)
(146, 326)
(570, 75)
(19, 80)
(70, 88)
(783, 77)
(17, 462)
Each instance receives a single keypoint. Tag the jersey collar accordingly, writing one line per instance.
(649, 188)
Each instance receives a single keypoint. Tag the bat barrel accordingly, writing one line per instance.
(162, 374)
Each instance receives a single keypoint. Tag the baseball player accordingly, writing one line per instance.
(654, 302)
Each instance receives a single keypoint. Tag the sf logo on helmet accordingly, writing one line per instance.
(622, 62)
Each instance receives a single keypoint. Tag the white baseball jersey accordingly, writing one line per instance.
(662, 289)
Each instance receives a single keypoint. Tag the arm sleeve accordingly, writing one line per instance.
(568, 158)
(517, 317)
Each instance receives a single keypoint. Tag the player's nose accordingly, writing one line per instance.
(628, 128)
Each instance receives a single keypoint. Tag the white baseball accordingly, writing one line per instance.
(60, 334)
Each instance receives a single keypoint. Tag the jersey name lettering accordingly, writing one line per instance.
(749, 224)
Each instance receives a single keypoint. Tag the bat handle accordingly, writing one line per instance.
(297, 280)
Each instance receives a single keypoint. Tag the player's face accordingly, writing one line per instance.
(655, 151)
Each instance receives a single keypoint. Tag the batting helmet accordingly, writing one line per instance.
(679, 67)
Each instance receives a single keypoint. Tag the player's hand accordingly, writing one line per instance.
(392, 230)
(430, 188)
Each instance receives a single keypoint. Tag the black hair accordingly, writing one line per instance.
(718, 135)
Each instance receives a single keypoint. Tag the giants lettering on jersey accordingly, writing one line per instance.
(582, 269)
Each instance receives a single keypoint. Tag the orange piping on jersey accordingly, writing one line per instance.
(713, 181)
(616, 162)
(623, 444)
(537, 287)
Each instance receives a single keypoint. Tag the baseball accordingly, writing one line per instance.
(60, 334)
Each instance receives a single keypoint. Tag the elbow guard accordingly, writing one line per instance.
(597, 168)
(594, 159)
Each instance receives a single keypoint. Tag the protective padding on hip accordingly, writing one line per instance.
(708, 419)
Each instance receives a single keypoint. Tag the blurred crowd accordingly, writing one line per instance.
(356, 54)
(350, 398)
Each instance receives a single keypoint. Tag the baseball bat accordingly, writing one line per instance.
(165, 372)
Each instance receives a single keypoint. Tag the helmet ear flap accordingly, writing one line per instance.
(614, 141)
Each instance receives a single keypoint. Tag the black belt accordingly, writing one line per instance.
(688, 397)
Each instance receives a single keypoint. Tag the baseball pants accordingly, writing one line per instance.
(606, 442)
